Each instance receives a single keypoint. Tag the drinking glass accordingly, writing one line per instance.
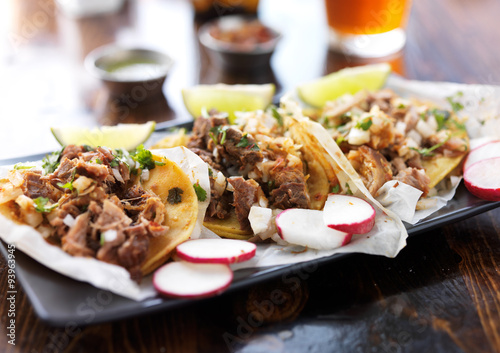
(367, 28)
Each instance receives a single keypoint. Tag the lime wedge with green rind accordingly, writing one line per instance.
(227, 98)
(126, 136)
(349, 80)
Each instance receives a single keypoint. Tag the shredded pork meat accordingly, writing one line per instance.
(96, 211)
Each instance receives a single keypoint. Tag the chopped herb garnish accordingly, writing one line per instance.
(244, 141)
(102, 240)
(98, 161)
(349, 191)
(175, 195)
(114, 163)
(253, 147)
(210, 172)
(215, 132)
(87, 148)
(145, 158)
(277, 115)
(18, 166)
(200, 192)
(455, 104)
(441, 117)
(51, 161)
(345, 118)
(69, 184)
(41, 205)
(335, 189)
(270, 185)
(340, 139)
(459, 125)
(427, 152)
(401, 106)
(365, 123)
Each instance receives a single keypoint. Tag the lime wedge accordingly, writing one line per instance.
(349, 80)
(227, 98)
(126, 136)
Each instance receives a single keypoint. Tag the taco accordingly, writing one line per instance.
(265, 159)
(125, 209)
(386, 137)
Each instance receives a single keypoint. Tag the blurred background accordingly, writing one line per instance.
(44, 43)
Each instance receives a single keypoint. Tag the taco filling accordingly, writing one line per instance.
(386, 137)
(90, 202)
(255, 162)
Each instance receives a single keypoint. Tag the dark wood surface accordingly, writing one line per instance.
(440, 294)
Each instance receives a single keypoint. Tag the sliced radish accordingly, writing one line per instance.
(486, 151)
(483, 179)
(305, 227)
(348, 214)
(187, 280)
(222, 251)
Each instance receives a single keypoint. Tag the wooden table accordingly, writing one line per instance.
(441, 293)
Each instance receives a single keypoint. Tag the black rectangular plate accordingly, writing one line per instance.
(61, 301)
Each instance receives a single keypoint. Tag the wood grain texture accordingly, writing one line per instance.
(440, 294)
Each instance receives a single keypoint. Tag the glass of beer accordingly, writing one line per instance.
(367, 28)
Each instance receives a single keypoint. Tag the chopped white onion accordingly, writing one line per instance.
(358, 136)
(118, 176)
(145, 174)
(109, 235)
(69, 220)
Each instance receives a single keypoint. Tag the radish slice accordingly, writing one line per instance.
(305, 227)
(482, 179)
(486, 151)
(348, 214)
(187, 280)
(222, 251)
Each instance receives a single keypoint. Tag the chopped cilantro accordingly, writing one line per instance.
(114, 163)
(345, 118)
(243, 142)
(200, 192)
(401, 106)
(253, 147)
(41, 205)
(102, 240)
(340, 139)
(145, 158)
(364, 124)
(51, 161)
(210, 172)
(441, 117)
(87, 148)
(276, 115)
(216, 131)
(427, 152)
(455, 104)
(349, 191)
(98, 161)
(18, 166)
(335, 189)
(174, 195)
(459, 125)
(69, 184)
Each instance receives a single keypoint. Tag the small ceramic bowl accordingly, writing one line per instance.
(129, 71)
(239, 42)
